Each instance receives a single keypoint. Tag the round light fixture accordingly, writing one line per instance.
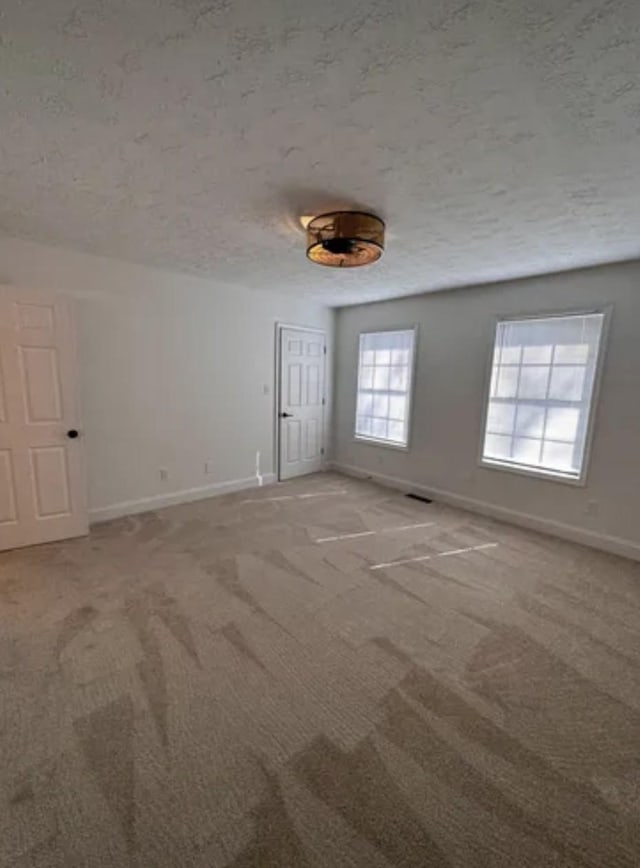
(345, 239)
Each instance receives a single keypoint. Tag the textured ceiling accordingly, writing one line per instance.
(498, 138)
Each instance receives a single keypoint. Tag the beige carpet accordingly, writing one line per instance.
(211, 686)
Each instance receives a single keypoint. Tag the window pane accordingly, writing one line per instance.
(366, 378)
(397, 407)
(365, 404)
(537, 355)
(562, 423)
(363, 425)
(380, 405)
(379, 428)
(526, 450)
(367, 357)
(396, 432)
(572, 354)
(541, 391)
(399, 379)
(557, 456)
(501, 417)
(530, 420)
(400, 357)
(497, 446)
(533, 381)
(511, 355)
(567, 383)
(381, 378)
(507, 382)
(383, 357)
(494, 383)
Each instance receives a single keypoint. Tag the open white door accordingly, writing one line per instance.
(42, 484)
(301, 401)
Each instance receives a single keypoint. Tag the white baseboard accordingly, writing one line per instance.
(613, 544)
(159, 501)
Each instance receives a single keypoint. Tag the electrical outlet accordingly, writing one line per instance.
(163, 473)
(592, 507)
(209, 467)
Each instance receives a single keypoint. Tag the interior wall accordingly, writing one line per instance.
(455, 342)
(175, 372)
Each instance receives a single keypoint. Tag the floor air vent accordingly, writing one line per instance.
(419, 497)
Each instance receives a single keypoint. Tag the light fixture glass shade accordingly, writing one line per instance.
(345, 239)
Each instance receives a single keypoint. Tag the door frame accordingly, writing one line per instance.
(280, 326)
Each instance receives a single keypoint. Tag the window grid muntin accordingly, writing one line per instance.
(583, 404)
(395, 382)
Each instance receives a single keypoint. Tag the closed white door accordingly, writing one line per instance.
(42, 485)
(301, 402)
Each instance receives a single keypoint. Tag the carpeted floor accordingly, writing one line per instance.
(243, 682)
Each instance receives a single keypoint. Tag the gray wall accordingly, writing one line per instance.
(456, 331)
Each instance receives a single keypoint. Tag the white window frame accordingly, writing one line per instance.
(373, 441)
(544, 473)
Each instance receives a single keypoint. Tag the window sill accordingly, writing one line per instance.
(532, 473)
(371, 441)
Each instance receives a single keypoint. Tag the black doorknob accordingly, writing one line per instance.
(73, 434)
(286, 415)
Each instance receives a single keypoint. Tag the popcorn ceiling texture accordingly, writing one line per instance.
(497, 137)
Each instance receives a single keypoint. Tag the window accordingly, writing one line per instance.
(541, 391)
(385, 374)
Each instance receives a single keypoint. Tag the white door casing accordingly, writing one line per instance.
(42, 478)
(301, 401)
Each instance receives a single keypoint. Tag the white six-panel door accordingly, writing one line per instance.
(301, 402)
(42, 485)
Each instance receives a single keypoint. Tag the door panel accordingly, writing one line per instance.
(312, 449)
(302, 362)
(35, 316)
(315, 347)
(8, 514)
(3, 400)
(294, 389)
(292, 439)
(313, 385)
(42, 483)
(41, 384)
(50, 480)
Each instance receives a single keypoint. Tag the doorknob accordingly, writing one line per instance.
(73, 434)
(286, 415)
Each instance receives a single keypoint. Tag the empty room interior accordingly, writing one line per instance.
(319, 434)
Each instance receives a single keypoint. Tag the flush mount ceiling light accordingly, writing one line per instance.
(345, 239)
